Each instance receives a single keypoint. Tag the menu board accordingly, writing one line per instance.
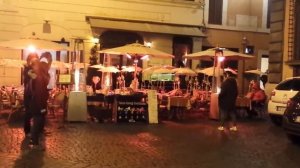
(128, 111)
(64, 78)
(152, 106)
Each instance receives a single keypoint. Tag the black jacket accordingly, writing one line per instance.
(228, 94)
(40, 92)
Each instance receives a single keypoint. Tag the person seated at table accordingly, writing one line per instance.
(120, 81)
(176, 82)
(178, 92)
(134, 84)
(257, 97)
(96, 83)
(89, 90)
(4, 93)
(175, 92)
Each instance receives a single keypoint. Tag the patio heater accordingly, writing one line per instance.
(216, 84)
(77, 104)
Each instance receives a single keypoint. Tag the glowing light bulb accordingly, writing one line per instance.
(31, 48)
(145, 57)
(221, 59)
(148, 44)
(128, 56)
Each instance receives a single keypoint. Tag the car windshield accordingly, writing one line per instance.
(292, 84)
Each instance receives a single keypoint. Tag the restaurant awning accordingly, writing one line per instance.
(143, 26)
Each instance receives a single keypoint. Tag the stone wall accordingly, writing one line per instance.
(276, 41)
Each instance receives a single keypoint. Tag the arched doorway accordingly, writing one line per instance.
(182, 45)
(114, 38)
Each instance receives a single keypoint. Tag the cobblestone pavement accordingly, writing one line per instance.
(188, 144)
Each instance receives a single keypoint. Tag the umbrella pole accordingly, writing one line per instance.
(136, 85)
(135, 69)
(213, 86)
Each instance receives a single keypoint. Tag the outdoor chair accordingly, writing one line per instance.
(243, 104)
(17, 110)
(163, 107)
(260, 108)
(5, 100)
(56, 102)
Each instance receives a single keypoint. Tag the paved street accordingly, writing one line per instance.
(188, 144)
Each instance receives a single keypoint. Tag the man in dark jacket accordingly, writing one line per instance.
(28, 74)
(227, 100)
(39, 99)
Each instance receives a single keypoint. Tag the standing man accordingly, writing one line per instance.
(39, 99)
(28, 74)
(46, 61)
(227, 100)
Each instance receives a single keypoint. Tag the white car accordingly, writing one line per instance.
(280, 96)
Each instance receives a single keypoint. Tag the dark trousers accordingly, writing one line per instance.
(38, 125)
(224, 115)
(253, 111)
(27, 120)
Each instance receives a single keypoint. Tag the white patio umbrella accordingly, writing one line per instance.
(230, 70)
(162, 70)
(13, 63)
(150, 70)
(98, 66)
(131, 69)
(60, 65)
(254, 71)
(211, 53)
(184, 71)
(36, 43)
(209, 71)
(215, 53)
(137, 51)
(110, 69)
(147, 72)
(78, 65)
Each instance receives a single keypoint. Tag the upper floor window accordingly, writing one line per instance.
(215, 12)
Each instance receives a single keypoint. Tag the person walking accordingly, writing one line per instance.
(39, 99)
(227, 100)
(46, 61)
(28, 74)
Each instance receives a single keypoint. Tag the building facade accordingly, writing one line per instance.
(173, 26)
(284, 50)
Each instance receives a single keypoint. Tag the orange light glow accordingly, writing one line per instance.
(221, 59)
(148, 44)
(145, 57)
(31, 48)
(128, 56)
(107, 80)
